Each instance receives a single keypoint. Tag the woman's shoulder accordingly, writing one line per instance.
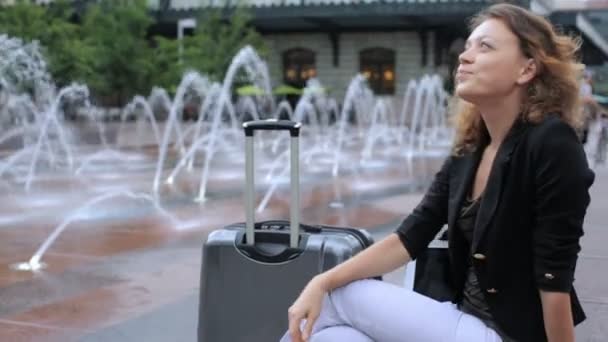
(552, 131)
(555, 147)
(550, 123)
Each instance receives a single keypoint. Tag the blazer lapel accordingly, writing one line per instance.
(463, 175)
(494, 185)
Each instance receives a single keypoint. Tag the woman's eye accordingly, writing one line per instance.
(485, 45)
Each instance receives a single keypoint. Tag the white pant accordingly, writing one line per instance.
(376, 311)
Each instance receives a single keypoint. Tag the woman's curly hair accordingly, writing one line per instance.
(554, 89)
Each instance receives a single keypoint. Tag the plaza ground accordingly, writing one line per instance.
(139, 281)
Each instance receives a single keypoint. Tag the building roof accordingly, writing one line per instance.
(336, 15)
(199, 4)
(589, 17)
(594, 24)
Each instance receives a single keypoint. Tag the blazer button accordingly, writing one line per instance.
(479, 256)
(492, 290)
(549, 276)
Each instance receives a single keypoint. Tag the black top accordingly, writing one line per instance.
(473, 298)
(534, 204)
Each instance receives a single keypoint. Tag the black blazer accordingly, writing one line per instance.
(528, 227)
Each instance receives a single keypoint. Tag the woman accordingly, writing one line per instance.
(513, 194)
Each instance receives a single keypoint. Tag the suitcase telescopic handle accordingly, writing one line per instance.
(294, 129)
(272, 125)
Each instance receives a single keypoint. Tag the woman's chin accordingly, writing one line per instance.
(462, 92)
(466, 93)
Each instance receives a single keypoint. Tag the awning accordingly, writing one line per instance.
(197, 4)
(589, 18)
(337, 15)
(594, 32)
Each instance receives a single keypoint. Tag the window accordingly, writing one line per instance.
(298, 66)
(378, 66)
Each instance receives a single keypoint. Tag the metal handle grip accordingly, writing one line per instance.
(272, 125)
(294, 129)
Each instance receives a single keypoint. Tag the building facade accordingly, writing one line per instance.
(388, 59)
(388, 41)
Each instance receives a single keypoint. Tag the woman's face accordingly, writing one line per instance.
(492, 64)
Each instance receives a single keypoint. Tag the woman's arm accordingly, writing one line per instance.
(412, 236)
(430, 215)
(378, 259)
(562, 181)
(557, 313)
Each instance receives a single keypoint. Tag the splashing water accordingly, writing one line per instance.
(35, 264)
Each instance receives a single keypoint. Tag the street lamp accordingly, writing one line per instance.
(182, 24)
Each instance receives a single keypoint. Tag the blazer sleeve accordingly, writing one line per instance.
(562, 179)
(419, 228)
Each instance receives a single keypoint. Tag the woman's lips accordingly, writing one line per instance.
(462, 75)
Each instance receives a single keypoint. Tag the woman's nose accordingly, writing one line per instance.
(466, 57)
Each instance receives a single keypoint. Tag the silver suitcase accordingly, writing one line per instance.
(252, 272)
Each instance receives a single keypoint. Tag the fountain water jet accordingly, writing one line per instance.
(189, 79)
(139, 101)
(257, 70)
(51, 117)
(35, 264)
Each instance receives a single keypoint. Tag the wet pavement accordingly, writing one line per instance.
(125, 269)
(127, 274)
(591, 278)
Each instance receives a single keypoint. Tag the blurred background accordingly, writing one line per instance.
(121, 145)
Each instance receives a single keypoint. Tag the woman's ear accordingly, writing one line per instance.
(528, 72)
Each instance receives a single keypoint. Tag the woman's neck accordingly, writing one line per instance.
(499, 118)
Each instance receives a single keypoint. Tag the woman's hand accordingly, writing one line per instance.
(307, 306)
(380, 258)
(557, 315)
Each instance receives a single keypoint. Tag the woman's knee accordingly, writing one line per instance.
(367, 292)
(358, 301)
(353, 290)
(340, 333)
(386, 312)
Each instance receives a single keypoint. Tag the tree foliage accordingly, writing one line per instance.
(216, 39)
(67, 57)
(115, 31)
(107, 45)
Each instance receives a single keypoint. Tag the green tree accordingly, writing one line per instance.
(209, 50)
(115, 31)
(68, 59)
(109, 49)
(24, 19)
(167, 70)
